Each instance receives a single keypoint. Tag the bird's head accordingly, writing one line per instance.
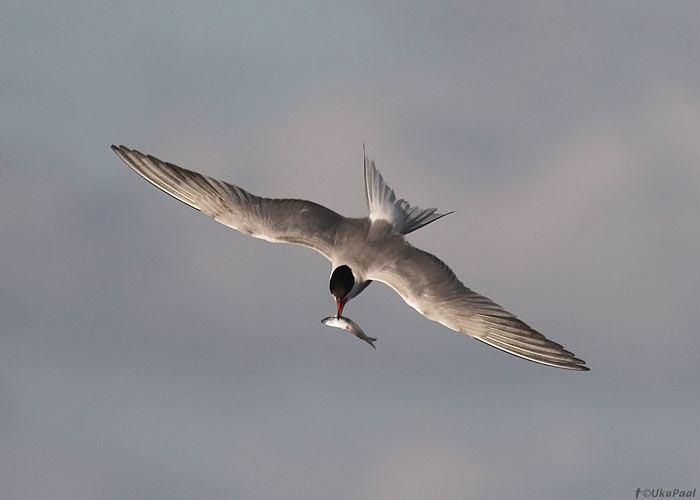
(341, 285)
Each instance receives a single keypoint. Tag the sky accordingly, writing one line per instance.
(148, 352)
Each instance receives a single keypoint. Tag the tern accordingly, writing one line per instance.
(361, 250)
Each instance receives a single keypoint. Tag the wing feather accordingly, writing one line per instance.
(428, 285)
(273, 219)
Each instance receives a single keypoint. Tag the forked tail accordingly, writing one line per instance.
(382, 204)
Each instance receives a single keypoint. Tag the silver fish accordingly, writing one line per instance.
(349, 326)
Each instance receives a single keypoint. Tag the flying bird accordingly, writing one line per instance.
(361, 250)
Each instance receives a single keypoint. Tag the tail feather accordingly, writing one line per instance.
(382, 204)
(416, 218)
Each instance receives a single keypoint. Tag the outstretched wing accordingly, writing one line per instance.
(430, 287)
(272, 219)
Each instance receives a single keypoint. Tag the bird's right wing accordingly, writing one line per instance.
(278, 220)
(430, 287)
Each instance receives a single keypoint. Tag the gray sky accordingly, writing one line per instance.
(148, 352)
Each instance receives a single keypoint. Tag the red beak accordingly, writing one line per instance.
(341, 304)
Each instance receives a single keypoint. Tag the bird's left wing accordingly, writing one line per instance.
(273, 219)
(430, 287)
